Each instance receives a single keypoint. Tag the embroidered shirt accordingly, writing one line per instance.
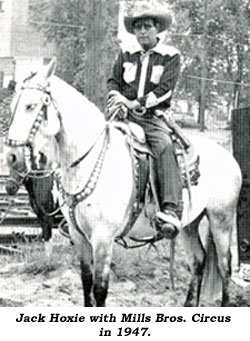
(148, 76)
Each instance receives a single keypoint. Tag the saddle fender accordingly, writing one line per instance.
(188, 162)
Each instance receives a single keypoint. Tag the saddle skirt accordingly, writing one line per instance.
(188, 160)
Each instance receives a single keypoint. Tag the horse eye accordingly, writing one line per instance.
(30, 107)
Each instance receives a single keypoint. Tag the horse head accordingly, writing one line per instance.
(19, 168)
(35, 118)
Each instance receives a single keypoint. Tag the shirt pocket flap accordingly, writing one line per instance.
(129, 72)
(157, 71)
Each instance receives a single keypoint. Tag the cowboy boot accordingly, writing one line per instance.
(168, 221)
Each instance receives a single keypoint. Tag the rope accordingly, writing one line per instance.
(122, 111)
(52, 213)
(140, 242)
(7, 211)
(172, 259)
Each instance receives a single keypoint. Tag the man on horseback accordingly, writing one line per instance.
(143, 79)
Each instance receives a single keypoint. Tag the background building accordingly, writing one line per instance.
(22, 48)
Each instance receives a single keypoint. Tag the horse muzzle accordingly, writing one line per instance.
(12, 187)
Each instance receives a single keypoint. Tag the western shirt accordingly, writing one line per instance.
(148, 76)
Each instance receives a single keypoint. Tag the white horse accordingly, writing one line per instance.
(96, 182)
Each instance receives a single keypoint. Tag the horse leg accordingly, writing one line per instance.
(46, 224)
(103, 257)
(95, 263)
(221, 225)
(87, 274)
(196, 259)
(87, 283)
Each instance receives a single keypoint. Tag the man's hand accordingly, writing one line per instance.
(115, 98)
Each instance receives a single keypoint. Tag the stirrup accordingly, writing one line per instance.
(169, 217)
(168, 224)
(64, 228)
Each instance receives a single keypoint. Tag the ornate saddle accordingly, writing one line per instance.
(188, 159)
(142, 157)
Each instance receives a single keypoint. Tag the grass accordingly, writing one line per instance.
(145, 265)
(132, 264)
(38, 258)
(39, 262)
(144, 274)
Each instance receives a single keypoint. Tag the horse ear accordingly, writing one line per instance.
(51, 67)
(45, 72)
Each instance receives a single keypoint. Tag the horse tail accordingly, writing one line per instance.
(211, 289)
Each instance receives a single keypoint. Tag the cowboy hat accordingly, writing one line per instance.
(144, 10)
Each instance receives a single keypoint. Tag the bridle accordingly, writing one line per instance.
(72, 200)
(42, 114)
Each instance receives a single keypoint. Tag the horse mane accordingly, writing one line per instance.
(59, 87)
(82, 120)
(77, 99)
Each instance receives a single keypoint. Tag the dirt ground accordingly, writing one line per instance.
(139, 277)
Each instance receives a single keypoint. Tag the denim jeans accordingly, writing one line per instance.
(167, 170)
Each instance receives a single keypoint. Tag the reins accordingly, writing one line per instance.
(7, 210)
(81, 158)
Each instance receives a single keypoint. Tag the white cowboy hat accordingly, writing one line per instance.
(145, 10)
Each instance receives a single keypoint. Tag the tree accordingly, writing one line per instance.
(101, 47)
(213, 41)
(189, 34)
(84, 33)
(61, 22)
(223, 27)
(236, 24)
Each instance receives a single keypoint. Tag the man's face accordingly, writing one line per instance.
(146, 31)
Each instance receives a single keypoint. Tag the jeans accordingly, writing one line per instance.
(167, 170)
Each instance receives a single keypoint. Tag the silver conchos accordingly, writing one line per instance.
(35, 126)
(73, 199)
(46, 99)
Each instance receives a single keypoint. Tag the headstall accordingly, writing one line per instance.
(42, 115)
(72, 200)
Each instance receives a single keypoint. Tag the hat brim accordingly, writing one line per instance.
(164, 20)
